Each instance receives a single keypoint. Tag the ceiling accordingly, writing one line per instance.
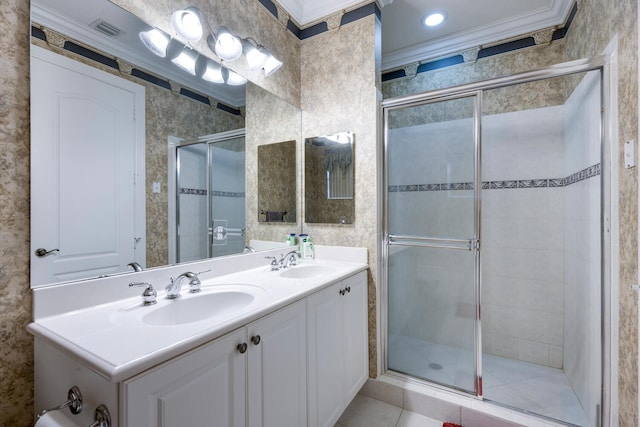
(470, 23)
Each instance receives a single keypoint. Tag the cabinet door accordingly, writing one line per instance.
(205, 387)
(325, 355)
(355, 334)
(277, 368)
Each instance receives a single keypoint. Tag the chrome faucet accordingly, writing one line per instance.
(285, 261)
(135, 266)
(289, 259)
(173, 290)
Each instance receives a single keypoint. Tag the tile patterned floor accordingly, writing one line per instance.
(367, 412)
(526, 386)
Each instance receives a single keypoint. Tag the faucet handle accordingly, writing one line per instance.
(148, 295)
(274, 263)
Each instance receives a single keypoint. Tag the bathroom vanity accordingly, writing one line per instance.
(255, 347)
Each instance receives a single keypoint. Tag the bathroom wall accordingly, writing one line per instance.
(283, 125)
(596, 23)
(16, 345)
(276, 180)
(336, 98)
(522, 240)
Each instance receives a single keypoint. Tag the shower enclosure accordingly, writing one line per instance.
(493, 240)
(210, 196)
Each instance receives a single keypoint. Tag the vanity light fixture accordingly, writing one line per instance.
(227, 46)
(211, 71)
(232, 78)
(186, 24)
(255, 54)
(186, 60)
(156, 41)
(434, 18)
(271, 65)
(215, 73)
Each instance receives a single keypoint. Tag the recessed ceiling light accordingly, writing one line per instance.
(435, 18)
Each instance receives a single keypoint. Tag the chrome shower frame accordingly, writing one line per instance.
(603, 64)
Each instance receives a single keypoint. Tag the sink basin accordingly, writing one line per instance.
(197, 308)
(307, 271)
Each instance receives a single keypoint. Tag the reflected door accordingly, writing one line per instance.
(87, 157)
(432, 157)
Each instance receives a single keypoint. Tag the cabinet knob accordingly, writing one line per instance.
(341, 291)
(255, 339)
(242, 348)
(348, 288)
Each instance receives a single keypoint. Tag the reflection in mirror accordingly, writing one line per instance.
(277, 182)
(210, 197)
(329, 179)
(175, 106)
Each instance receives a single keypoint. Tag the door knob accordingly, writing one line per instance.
(40, 252)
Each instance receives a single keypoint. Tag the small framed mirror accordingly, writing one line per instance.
(329, 179)
(277, 182)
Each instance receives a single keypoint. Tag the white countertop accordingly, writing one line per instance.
(112, 339)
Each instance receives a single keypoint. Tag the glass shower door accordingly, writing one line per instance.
(432, 234)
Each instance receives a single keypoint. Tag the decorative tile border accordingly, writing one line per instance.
(590, 172)
(214, 193)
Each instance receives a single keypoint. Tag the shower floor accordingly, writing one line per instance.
(525, 386)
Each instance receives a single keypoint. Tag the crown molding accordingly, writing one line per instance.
(554, 16)
(88, 36)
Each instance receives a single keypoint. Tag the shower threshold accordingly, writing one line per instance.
(523, 386)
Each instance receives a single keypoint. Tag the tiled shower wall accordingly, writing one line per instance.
(582, 247)
(534, 163)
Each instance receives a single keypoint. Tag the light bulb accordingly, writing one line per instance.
(228, 47)
(213, 73)
(156, 41)
(256, 56)
(271, 65)
(186, 23)
(235, 79)
(186, 60)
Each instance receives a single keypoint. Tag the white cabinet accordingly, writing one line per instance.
(337, 348)
(259, 370)
(205, 387)
(277, 369)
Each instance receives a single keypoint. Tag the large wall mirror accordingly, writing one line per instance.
(329, 179)
(168, 111)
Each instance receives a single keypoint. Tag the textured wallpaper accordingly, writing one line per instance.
(339, 93)
(277, 182)
(269, 120)
(16, 345)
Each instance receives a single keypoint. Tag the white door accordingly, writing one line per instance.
(87, 170)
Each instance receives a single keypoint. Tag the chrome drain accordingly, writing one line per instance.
(435, 366)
